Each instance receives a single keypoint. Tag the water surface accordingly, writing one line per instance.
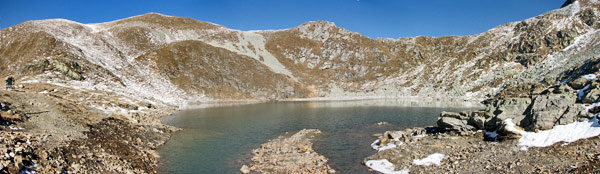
(220, 139)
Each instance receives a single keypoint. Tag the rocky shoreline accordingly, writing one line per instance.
(50, 129)
(289, 154)
(531, 128)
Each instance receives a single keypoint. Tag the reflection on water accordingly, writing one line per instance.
(219, 139)
(407, 102)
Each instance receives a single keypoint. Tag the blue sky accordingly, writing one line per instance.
(373, 18)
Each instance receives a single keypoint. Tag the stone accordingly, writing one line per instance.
(562, 89)
(394, 134)
(550, 110)
(383, 141)
(451, 114)
(453, 124)
(245, 169)
(513, 108)
(578, 83)
(591, 96)
(477, 122)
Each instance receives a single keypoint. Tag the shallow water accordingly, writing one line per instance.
(220, 139)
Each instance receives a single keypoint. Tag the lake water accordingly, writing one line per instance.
(220, 139)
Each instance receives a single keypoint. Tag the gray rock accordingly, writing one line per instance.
(578, 83)
(451, 115)
(563, 89)
(245, 169)
(550, 110)
(477, 121)
(454, 124)
(513, 108)
(394, 134)
(591, 96)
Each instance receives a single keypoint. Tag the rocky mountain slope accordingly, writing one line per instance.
(89, 96)
(178, 61)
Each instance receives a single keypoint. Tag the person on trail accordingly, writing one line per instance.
(10, 82)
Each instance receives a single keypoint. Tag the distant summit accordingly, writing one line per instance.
(567, 3)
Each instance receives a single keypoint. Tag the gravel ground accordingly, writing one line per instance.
(471, 154)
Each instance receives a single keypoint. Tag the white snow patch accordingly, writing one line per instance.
(562, 133)
(590, 77)
(15, 128)
(435, 158)
(384, 166)
(375, 145)
(592, 106)
(581, 92)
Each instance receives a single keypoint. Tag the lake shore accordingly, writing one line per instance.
(472, 154)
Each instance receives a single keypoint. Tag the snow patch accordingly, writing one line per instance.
(376, 143)
(590, 77)
(433, 159)
(562, 133)
(592, 106)
(385, 166)
(581, 92)
(15, 128)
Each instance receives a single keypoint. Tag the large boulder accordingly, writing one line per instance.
(579, 83)
(563, 89)
(591, 96)
(510, 108)
(461, 122)
(454, 124)
(548, 110)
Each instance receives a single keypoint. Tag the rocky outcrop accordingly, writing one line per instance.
(463, 122)
(532, 111)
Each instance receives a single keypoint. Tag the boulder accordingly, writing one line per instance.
(513, 108)
(454, 124)
(463, 121)
(245, 169)
(508, 133)
(394, 134)
(563, 89)
(477, 122)
(579, 83)
(592, 96)
(452, 115)
(549, 110)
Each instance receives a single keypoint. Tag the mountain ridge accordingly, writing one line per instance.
(317, 57)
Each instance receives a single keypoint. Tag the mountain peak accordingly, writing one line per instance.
(169, 21)
(567, 3)
(319, 23)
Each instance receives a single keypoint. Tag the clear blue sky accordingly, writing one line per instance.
(373, 18)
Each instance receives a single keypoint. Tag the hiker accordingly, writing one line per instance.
(10, 83)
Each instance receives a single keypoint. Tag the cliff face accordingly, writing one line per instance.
(180, 60)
